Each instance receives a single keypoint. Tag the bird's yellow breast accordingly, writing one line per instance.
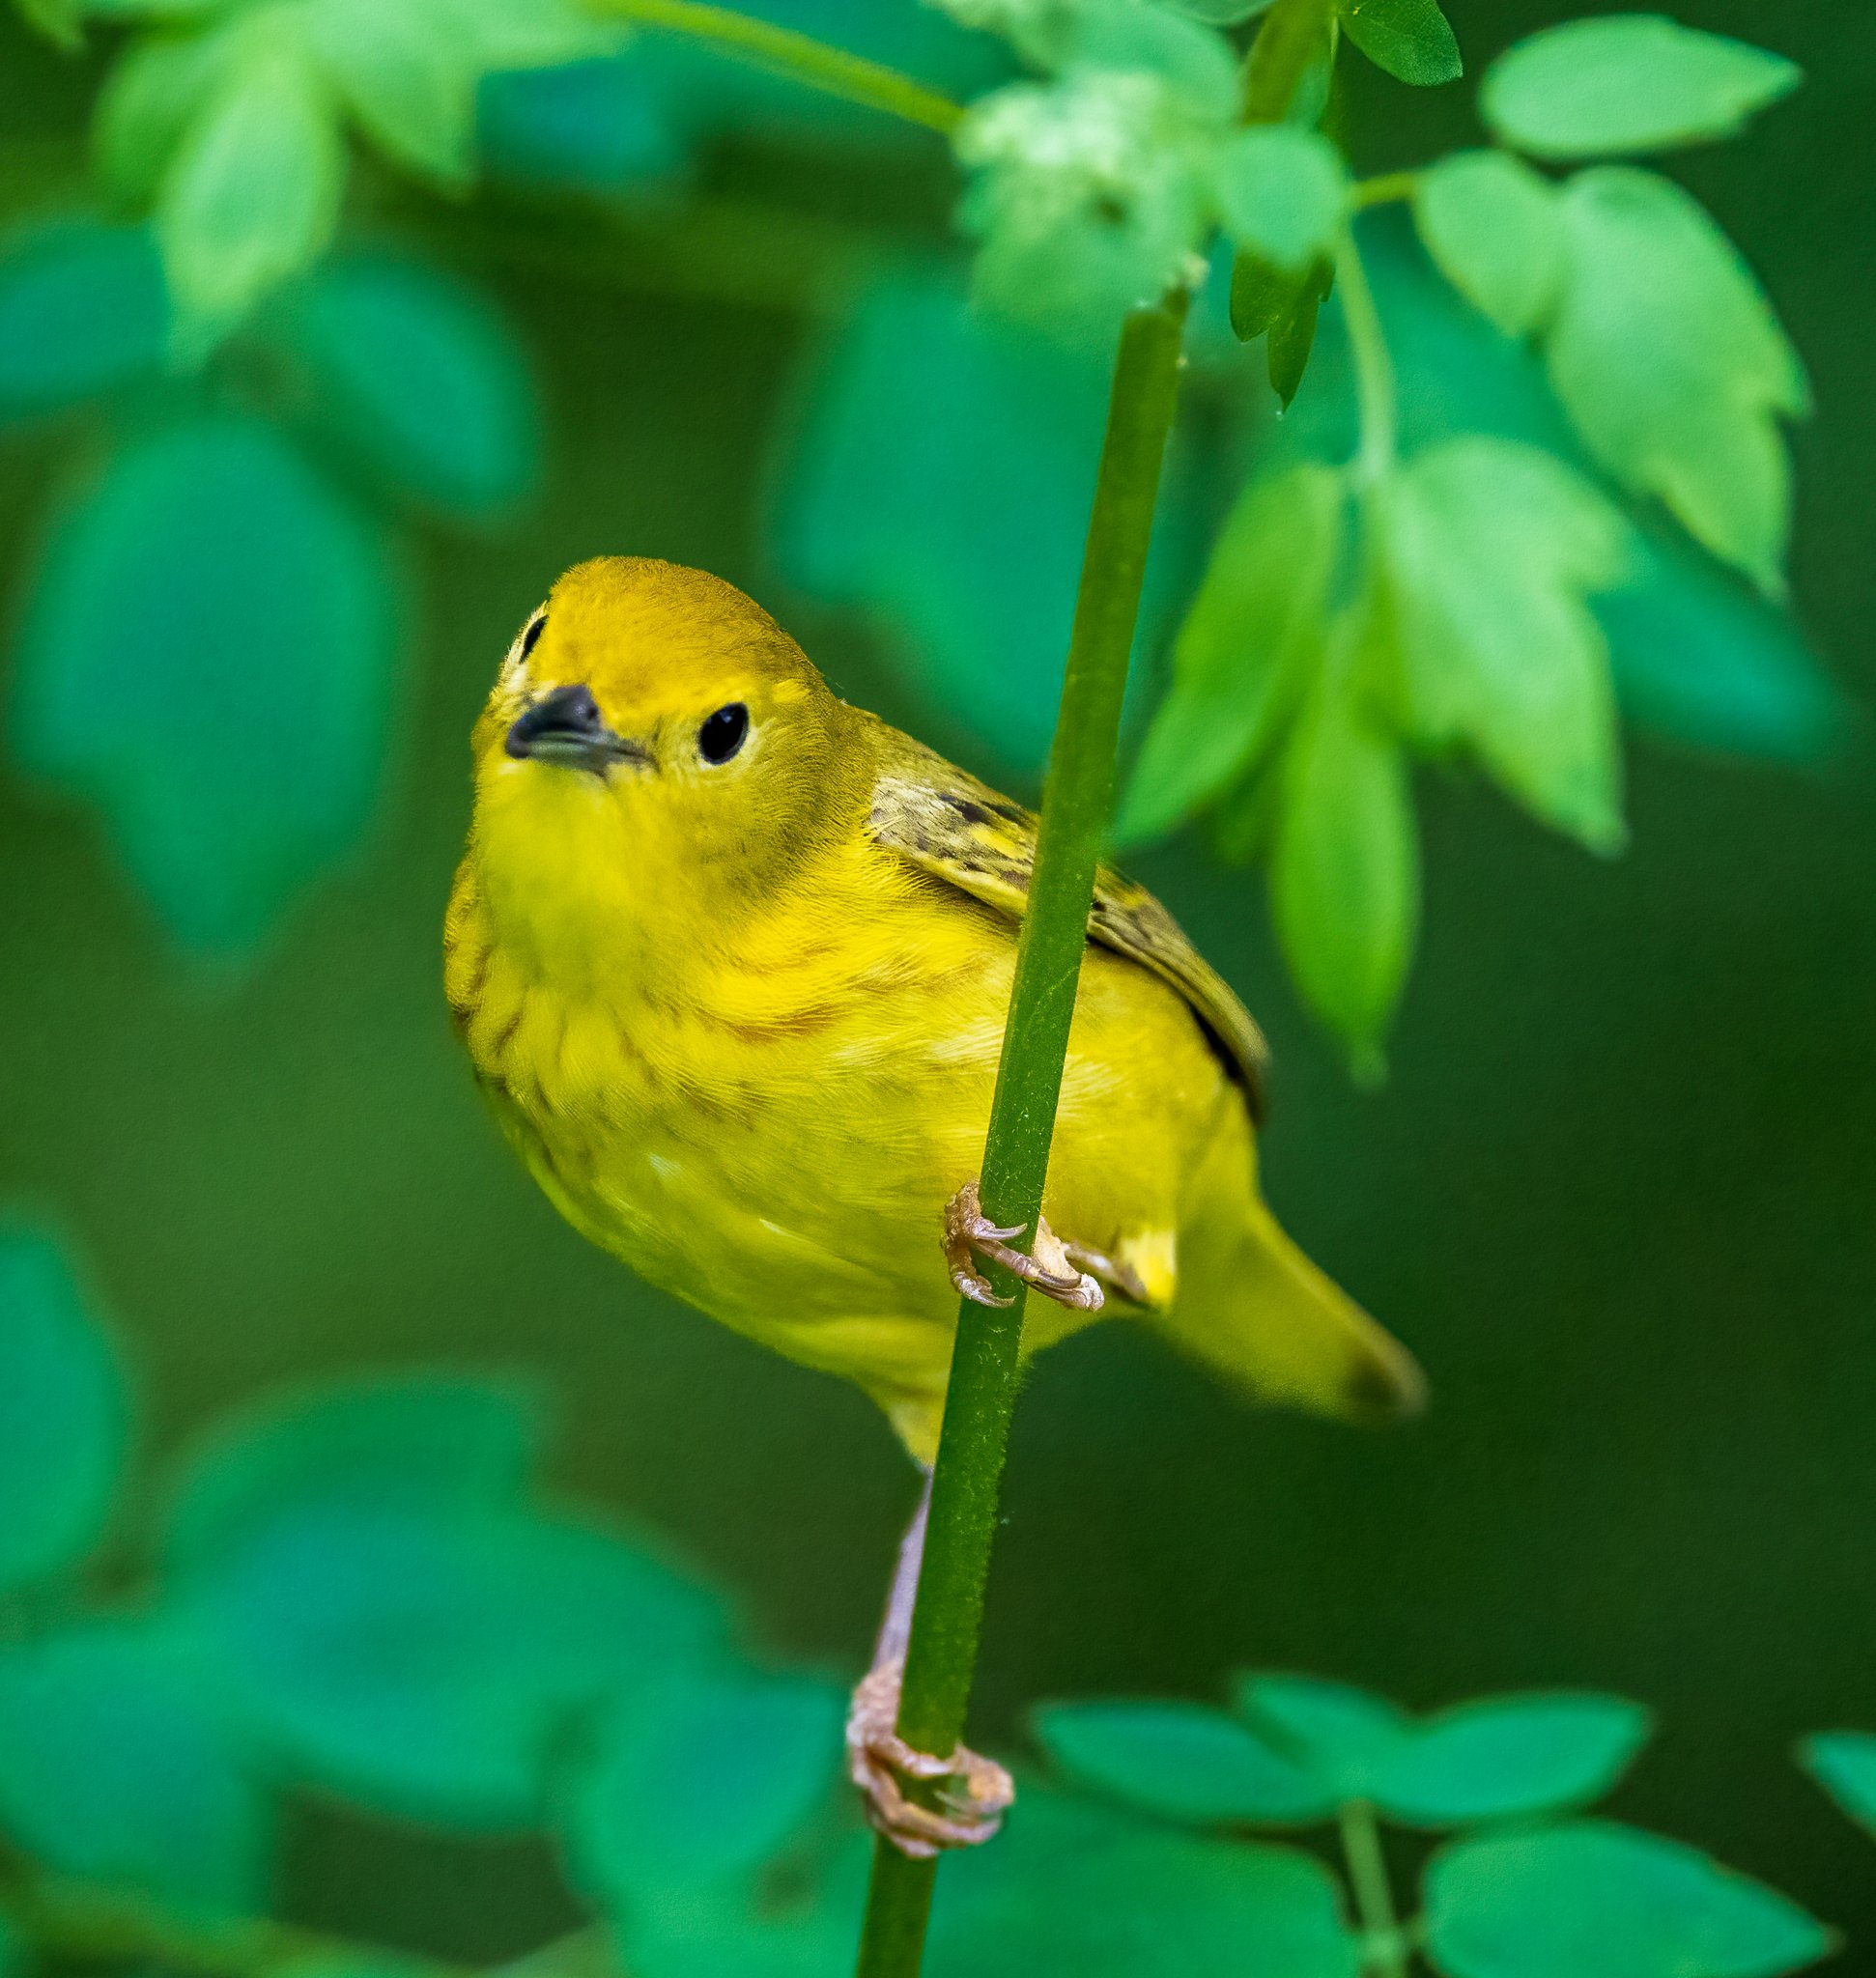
(768, 1121)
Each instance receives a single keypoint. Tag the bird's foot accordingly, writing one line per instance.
(971, 1236)
(971, 1801)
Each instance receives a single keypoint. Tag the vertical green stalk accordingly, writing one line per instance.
(941, 1659)
(1387, 1951)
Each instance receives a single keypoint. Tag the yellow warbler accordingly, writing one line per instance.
(731, 960)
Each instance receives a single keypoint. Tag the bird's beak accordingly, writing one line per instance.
(565, 726)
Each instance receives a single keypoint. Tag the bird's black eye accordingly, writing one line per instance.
(721, 735)
(531, 637)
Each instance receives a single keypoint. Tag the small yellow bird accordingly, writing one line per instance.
(731, 960)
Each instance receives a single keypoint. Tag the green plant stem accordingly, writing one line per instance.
(1361, 1847)
(1374, 388)
(800, 56)
(1385, 189)
(941, 1659)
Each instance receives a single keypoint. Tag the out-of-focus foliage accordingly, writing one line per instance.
(1494, 600)
(360, 1588)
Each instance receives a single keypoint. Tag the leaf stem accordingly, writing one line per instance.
(1385, 189)
(1375, 390)
(941, 1659)
(815, 64)
(1386, 1947)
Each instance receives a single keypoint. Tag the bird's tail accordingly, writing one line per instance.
(1254, 1311)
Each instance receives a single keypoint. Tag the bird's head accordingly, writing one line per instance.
(657, 755)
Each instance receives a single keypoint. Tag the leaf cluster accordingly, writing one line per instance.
(361, 1590)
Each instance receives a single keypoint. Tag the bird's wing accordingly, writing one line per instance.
(961, 831)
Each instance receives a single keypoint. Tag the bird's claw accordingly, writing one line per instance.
(971, 1805)
(970, 1236)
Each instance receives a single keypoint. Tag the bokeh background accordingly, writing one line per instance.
(1616, 1192)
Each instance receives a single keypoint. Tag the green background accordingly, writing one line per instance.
(1617, 1195)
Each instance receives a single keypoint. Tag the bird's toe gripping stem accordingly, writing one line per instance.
(970, 1236)
(976, 1793)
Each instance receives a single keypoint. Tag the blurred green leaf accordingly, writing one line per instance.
(1344, 867)
(1342, 1735)
(1702, 658)
(1494, 552)
(1627, 82)
(408, 75)
(1090, 194)
(1668, 359)
(697, 1781)
(253, 194)
(1247, 649)
(426, 1661)
(1222, 12)
(936, 477)
(64, 1413)
(434, 1441)
(1076, 1887)
(155, 88)
(228, 783)
(1844, 1763)
(116, 1765)
(1492, 226)
(59, 20)
(416, 373)
(82, 310)
(1591, 1896)
(1180, 1761)
(15, 1957)
(1510, 1755)
(1283, 192)
(1412, 40)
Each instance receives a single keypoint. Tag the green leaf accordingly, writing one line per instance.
(1673, 367)
(1341, 1734)
(82, 310)
(935, 480)
(1074, 1887)
(428, 1661)
(1493, 552)
(1344, 868)
(1492, 226)
(252, 195)
(1260, 294)
(60, 22)
(1844, 1763)
(63, 1414)
(1412, 40)
(228, 783)
(1178, 1761)
(1283, 191)
(408, 74)
(115, 1765)
(156, 88)
(697, 1781)
(1287, 308)
(419, 377)
(1246, 649)
(1504, 1756)
(1592, 1895)
(426, 1440)
(1627, 82)
(1222, 12)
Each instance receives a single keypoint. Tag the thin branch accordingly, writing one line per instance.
(940, 1660)
(798, 56)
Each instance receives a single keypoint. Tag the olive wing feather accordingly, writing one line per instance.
(961, 831)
